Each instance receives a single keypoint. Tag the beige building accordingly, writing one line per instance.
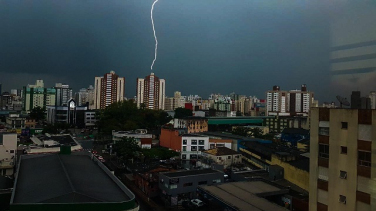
(8, 148)
(193, 124)
(108, 89)
(342, 159)
(221, 155)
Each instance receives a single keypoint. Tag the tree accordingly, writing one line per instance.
(241, 131)
(256, 132)
(127, 148)
(38, 113)
(125, 115)
(180, 113)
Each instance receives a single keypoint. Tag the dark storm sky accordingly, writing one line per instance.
(205, 46)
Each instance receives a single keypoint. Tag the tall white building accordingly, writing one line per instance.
(286, 103)
(85, 95)
(108, 89)
(38, 96)
(151, 92)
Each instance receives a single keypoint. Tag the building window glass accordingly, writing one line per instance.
(185, 142)
(216, 180)
(183, 157)
(187, 184)
(343, 174)
(344, 125)
(184, 148)
(201, 148)
(343, 150)
(173, 186)
(324, 131)
(229, 157)
(364, 158)
(201, 142)
(193, 148)
(342, 199)
(324, 151)
(194, 142)
(202, 182)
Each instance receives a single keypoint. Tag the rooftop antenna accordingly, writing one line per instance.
(342, 101)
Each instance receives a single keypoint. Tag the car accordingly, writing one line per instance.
(197, 202)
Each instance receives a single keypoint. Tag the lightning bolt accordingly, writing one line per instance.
(155, 36)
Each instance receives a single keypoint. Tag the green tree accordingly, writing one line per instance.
(256, 132)
(125, 115)
(38, 113)
(241, 131)
(127, 148)
(180, 113)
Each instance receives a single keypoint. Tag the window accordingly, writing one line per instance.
(194, 142)
(324, 151)
(173, 186)
(364, 158)
(193, 148)
(184, 157)
(343, 150)
(184, 148)
(216, 180)
(187, 184)
(11, 151)
(185, 141)
(343, 174)
(342, 199)
(324, 131)
(202, 182)
(344, 125)
(229, 157)
(201, 142)
(201, 148)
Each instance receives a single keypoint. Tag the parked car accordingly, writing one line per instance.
(197, 202)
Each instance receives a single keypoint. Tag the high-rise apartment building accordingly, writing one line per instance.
(151, 92)
(108, 89)
(84, 96)
(38, 96)
(342, 159)
(63, 94)
(288, 103)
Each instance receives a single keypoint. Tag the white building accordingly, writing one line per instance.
(288, 103)
(8, 149)
(143, 139)
(193, 145)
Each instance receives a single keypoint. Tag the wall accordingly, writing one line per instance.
(8, 148)
(170, 138)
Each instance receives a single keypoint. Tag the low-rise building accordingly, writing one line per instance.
(15, 121)
(143, 138)
(245, 196)
(220, 155)
(8, 149)
(148, 181)
(183, 184)
(194, 124)
(30, 123)
(90, 119)
(51, 143)
(68, 181)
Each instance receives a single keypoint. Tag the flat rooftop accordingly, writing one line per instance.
(191, 172)
(74, 178)
(244, 195)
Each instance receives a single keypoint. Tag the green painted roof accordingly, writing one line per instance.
(234, 121)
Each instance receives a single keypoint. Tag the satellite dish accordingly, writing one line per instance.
(342, 101)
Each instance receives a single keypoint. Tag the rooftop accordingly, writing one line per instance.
(191, 172)
(75, 178)
(220, 151)
(245, 195)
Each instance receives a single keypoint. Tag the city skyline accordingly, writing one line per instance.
(242, 47)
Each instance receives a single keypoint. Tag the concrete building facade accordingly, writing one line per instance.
(8, 149)
(38, 96)
(108, 89)
(151, 92)
(342, 158)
